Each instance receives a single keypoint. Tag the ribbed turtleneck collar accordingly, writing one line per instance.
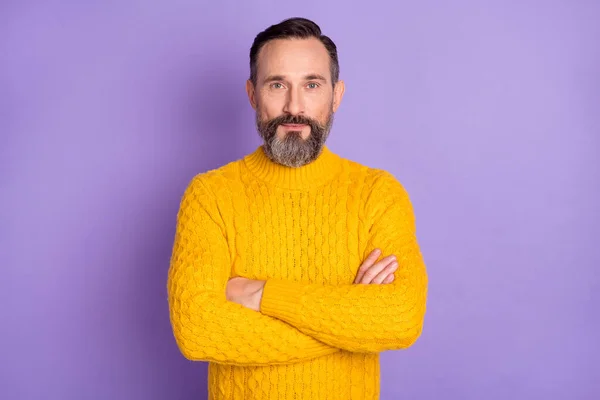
(321, 170)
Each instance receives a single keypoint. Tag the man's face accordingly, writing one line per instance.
(294, 99)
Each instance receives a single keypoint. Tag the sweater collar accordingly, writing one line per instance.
(321, 170)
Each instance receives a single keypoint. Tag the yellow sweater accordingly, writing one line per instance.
(305, 231)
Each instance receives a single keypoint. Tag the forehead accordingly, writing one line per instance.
(293, 58)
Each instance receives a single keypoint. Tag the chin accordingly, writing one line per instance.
(304, 134)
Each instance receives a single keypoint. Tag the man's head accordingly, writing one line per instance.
(295, 89)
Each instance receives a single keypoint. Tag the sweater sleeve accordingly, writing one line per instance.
(359, 317)
(206, 326)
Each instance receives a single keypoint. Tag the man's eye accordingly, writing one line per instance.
(313, 85)
(276, 85)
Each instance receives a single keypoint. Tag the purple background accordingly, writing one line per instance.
(488, 114)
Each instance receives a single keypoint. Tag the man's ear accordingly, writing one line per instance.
(251, 93)
(338, 94)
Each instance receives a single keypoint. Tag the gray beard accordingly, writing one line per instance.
(292, 150)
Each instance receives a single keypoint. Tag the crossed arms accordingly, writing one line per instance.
(295, 321)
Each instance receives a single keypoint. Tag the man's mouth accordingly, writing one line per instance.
(293, 126)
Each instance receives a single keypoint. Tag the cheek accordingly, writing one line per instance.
(323, 113)
(263, 112)
(268, 108)
(320, 108)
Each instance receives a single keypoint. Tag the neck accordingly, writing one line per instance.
(316, 173)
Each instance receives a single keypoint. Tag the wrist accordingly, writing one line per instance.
(256, 295)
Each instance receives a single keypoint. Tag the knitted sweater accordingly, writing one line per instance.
(305, 231)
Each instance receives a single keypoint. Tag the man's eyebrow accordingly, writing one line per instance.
(272, 78)
(315, 77)
(309, 77)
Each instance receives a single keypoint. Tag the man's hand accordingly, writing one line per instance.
(377, 272)
(247, 292)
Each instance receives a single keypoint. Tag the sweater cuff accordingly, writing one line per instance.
(281, 300)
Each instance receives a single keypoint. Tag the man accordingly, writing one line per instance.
(293, 268)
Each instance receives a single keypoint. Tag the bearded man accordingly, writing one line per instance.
(293, 268)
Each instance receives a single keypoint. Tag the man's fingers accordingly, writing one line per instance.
(389, 278)
(389, 269)
(375, 269)
(371, 258)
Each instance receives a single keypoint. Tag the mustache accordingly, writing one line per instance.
(292, 119)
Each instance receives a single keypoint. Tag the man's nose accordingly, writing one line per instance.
(295, 103)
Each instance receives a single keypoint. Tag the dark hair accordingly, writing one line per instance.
(297, 28)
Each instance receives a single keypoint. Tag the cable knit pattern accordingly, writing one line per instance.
(305, 231)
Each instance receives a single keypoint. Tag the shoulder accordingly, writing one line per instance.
(215, 182)
(371, 176)
(386, 181)
(383, 195)
(375, 178)
(377, 186)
